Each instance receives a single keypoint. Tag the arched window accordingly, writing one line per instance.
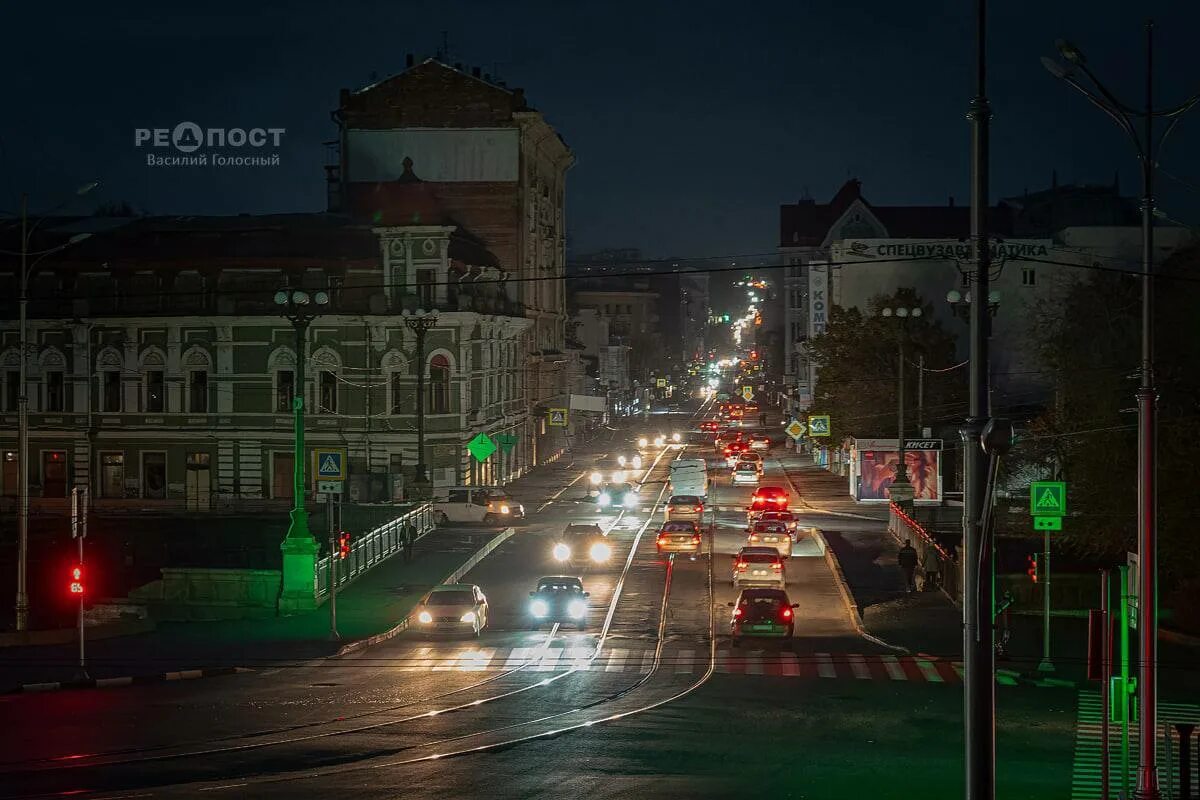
(439, 385)
(196, 365)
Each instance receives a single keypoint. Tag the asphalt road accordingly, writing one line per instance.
(647, 700)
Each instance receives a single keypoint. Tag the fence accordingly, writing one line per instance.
(902, 526)
(371, 549)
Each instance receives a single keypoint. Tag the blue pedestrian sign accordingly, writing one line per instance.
(329, 463)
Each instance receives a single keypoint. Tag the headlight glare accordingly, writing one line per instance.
(425, 618)
(468, 617)
(577, 609)
(600, 551)
(596, 478)
(539, 608)
(504, 509)
(561, 552)
(642, 442)
(621, 460)
(603, 499)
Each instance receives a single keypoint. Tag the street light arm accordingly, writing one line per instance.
(1180, 109)
(1115, 113)
(1163, 138)
(1109, 96)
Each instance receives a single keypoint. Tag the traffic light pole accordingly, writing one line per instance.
(1046, 665)
(333, 562)
(1123, 577)
(79, 532)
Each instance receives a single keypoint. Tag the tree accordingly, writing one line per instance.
(857, 368)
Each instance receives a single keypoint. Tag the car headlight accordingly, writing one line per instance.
(659, 441)
(621, 460)
(596, 478)
(600, 551)
(675, 437)
(637, 462)
(577, 609)
(561, 552)
(424, 618)
(468, 618)
(604, 499)
(504, 509)
(539, 608)
(643, 442)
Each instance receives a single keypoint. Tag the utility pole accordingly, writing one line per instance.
(1046, 665)
(79, 504)
(420, 324)
(921, 394)
(979, 698)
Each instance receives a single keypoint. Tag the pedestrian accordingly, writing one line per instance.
(907, 559)
(410, 536)
(762, 419)
(931, 565)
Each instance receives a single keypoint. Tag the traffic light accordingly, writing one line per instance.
(76, 584)
(343, 544)
(1031, 567)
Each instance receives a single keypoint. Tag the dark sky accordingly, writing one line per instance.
(691, 122)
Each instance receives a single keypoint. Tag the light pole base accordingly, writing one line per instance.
(1045, 666)
(298, 591)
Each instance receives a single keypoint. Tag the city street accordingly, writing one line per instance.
(649, 689)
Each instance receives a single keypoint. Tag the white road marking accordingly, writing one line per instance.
(647, 661)
(477, 660)
(684, 660)
(858, 665)
(549, 660)
(789, 665)
(825, 666)
(894, 670)
(753, 664)
(518, 656)
(616, 660)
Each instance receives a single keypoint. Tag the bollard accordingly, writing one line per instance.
(1185, 759)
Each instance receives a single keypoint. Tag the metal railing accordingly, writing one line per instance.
(902, 526)
(372, 549)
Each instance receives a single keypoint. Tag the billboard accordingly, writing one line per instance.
(873, 467)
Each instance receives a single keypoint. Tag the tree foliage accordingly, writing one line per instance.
(858, 361)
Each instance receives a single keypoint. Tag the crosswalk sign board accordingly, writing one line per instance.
(795, 429)
(1048, 498)
(818, 425)
(329, 463)
(558, 417)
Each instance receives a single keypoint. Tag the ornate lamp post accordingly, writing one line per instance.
(420, 323)
(901, 491)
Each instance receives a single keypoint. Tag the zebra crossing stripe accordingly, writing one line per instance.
(858, 665)
(790, 668)
(752, 664)
(825, 666)
(892, 665)
(647, 661)
(684, 660)
(549, 659)
(616, 660)
(478, 660)
(517, 656)
(580, 658)
(928, 670)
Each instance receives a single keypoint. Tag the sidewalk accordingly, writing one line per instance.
(823, 490)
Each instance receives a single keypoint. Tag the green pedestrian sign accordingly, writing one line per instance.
(507, 441)
(481, 447)
(1047, 523)
(1048, 499)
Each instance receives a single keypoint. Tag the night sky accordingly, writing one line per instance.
(691, 122)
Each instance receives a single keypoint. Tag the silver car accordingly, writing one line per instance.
(759, 566)
(771, 534)
(451, 608)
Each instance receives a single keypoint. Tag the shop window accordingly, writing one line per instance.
(112, 475)
(12, 390)
(1028, 277)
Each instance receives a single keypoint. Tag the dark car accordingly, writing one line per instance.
(764, 613)
(619, 495)
(558, 598)
(582, 544)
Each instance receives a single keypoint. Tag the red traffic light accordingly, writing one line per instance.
(343, 544)
(76, 585)
(1031, 568)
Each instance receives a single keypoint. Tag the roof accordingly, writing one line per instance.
(806, 224)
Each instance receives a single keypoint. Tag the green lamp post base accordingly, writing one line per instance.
(299, 551)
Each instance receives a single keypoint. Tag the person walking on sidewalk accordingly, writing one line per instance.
(409, 534)
(907, 559)
(931, 565)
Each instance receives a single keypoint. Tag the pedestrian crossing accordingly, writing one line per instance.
(1088, 758)
(680, 661)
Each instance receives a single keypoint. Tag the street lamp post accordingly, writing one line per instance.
(299, 308)
(1148, 149)
(901, 491)
(420, 323)
(26, 269)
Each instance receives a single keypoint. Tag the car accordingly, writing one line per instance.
(732, 452)
(789, 520)
(759, 566)
(725, 437)
(754, 458)
(766, 498)
(762, 613)
(580, 544)
(486, 504)
(760, 441)
(677, 536)
(771, 534)
(710, 426)
(451, 608)
(558, 598)
(685, 507)
(619, 495)
(744, 472)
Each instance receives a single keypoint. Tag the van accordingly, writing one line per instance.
(683, 464)
(487, 504)
(689, 481)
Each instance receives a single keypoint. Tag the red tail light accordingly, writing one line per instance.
(741, 565)
(696, 538)
(754, 537)
(662, 537)
(737, 612)
(697, 509)
(787, 613)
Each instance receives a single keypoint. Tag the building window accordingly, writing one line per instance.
(112, 475)
(154, 476)
(282, 474)
(54, 473)
(285, 390)
(439, 385)
(425, 284)
(198, 391)
(11, 476)
(155, 393)
(1028, 277)
(329, 394)
(12, 386)
(396, 382)
(110, 391)
(54, 391)
(964, 279)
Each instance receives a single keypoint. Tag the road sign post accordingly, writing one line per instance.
(78, 582)
(1048, 505)
(331, 525)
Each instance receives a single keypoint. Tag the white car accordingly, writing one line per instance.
(451, 608)
(745, 474)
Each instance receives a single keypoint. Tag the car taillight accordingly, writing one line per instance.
(696, 538)
(787, 613)
(741, 565)
(737, 612)
(780, 500)
(754, 537)
(697, 509)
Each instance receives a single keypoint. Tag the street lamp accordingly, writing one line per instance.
(960, 303)
(22, 610)
(901, 491)
(300, 308)
(420, 322)
(1148, 149)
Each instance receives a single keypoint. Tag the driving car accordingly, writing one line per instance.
(579, 544)
(725, 437)
(766, 498)
(452, 608)
(760, 441)
(759, 566)
(744, 472)
(732, 451)
(710, 426)
(486, 504)
(787, 518)
(754, 458)
(619, 495)
(771, 534)
(685, 507)
(678, 536)
(558, 598)
(762, 613)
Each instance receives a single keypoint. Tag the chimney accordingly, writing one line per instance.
(409, 60)
(474, 72)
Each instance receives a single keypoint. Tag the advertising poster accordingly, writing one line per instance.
(877, 469)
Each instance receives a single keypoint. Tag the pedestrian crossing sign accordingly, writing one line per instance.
(1048, 498)
(818, 425)
(558, 417)
(329, 463)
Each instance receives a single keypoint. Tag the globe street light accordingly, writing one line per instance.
(420, 323)
(300, 308)
(901, 491)
(26, 268)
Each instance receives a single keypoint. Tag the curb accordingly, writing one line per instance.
(847, 599)
(129, 680)
(453, 577)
